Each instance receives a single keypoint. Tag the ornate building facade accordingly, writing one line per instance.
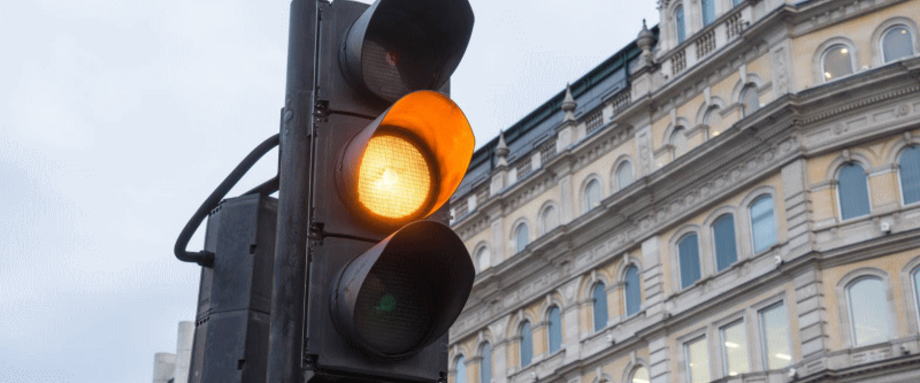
(732, 197)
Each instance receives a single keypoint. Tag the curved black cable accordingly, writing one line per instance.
(206, 258)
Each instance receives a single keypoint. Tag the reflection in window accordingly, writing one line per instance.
(679, 25)
(837, 62)
(485, 366)
(624, 175)
(734, 349)
(736, 2)
(555, 329)
(549, 219)
(592, 195)
(461, 370)
(750, 100)
(762, 225)
(697, 355)
(599, 295)
(723, 233)
(521, 237)
(688, 251)
(679, 141)
(869, 318)
(909, 173)
(640, 376)
(713, 120)
(526, 344)
(633, 292)
(897, 43)
(852, 191)
(482, 258)
(709, 11)
(916, 276)
(774, 330)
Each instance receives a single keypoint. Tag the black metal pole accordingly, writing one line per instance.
(285, 359)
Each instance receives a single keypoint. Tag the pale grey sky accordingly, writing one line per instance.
(117, 118)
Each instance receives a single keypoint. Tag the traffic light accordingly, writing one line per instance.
(385, 277)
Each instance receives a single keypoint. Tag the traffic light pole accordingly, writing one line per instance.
(285, 354)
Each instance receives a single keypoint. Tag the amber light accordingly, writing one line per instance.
(394, 178)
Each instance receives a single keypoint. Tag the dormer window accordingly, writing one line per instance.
(679, 24)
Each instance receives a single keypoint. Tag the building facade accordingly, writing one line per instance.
(174, 367)
(732, 197)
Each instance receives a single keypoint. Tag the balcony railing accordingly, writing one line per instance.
(726, 29)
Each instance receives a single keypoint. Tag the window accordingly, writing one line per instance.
(482, 258)
(521, 237)
(633, 291)
(870, 321)
(599, 295)
(548, 219)
(734, 349)
(836, 62)
(485, 366)
(555, 329)
(750, 100)
(688, 250)
(526, 344)
(723, 235)
(460, 365)
(774, 331)
(709, 11)
(916, 277)
(736, 2)
(697, 356)
(679, 25)
(713, 120)
(679, 141)
(624, 175)
(897, 43)
(852, 191)
(592, 195)
(640, 375)
(763, 228)
(909, 173)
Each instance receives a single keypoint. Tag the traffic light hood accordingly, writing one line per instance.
(399, 46)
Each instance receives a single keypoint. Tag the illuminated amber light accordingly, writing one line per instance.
(394, 178)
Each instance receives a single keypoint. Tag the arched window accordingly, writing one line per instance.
(624, 175)
(679, 141)
(852, 191)
(482, 258)
(709, 11)
(485, 366)
(460, 365)
(640, 375)
(521, 237)
(916, 277)
(897, 43)
(633, 290)
(548, 219)
(750, 100)
(836, 62)
(679, 24)
(870, 321)
(526, 344)
(688, 250)
(713, 120)
(723, 236)
(599, 295)
(763, 229)
(909, 174)
(592, 195)
(555, 329)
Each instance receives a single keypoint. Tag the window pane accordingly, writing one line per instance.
(633, 292)
(697, 360)
(555, 329)
(482, 258)
(679, 24)
(485, 367)
(853, 191)
(869, 311)
(909, 169)
(599, 294)
(688, 251)
(750, 100)
(723, 230)
(526, 344)
(548, 219)
(897, 43)
(679, 141)
(461, 370)
(624, 174)
(917, 286)
(522, 237)
(774, 329)
(762, 225)
(640, 376)
(734, 348)
(709, 11)
(837, 62)
(736, 2)
(592, 196)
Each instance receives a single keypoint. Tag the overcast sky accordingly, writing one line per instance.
(117, 118)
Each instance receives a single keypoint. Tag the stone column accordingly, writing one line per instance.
(659, 360)
(164, 364)
(812, 314)
(652, 277)
(797, 204)
(184, 351)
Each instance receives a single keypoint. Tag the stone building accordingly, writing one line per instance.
(733, 197)
(174, 368)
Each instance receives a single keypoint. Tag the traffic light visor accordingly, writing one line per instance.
(407, 163)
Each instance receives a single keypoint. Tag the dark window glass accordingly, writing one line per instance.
(897, 43)
(909, 169)
(723, 232)
(599, 294)
(852, 191)
(688, 250)
(526, 344)
(485, 366)
(633, 292)
(555, 329)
